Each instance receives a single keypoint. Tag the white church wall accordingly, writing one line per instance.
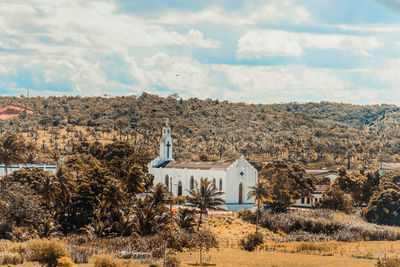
(234, 179)
(184, 175)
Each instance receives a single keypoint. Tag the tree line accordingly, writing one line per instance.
(315, 134)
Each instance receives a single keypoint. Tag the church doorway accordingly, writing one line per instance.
(180, 188)
(240, 193)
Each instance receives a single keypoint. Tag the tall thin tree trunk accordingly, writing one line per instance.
(201, 254)
(258, 210)
(201, 216)
(165, 253)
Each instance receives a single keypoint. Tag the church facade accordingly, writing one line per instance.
(233, 178)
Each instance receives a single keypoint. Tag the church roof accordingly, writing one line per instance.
(202, 165)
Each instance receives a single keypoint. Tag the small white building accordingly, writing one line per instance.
(388, 166)
(233, 178)
(311, 201)
(10, 169)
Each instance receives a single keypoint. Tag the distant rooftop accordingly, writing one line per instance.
(390, 165)
(321, 188)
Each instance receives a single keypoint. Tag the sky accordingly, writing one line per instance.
(243, 51)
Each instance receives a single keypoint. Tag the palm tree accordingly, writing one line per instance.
(205, 196)
(148, 218)
(133, 177)
(260, 194)
(160, 195)
(48, 190)
(11, 150)
(186, 219)
(65, 188)
(112, 196)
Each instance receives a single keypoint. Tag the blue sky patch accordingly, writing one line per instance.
(261, 51)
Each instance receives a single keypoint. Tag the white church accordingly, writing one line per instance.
(233, 178)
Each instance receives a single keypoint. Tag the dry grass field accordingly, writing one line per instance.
(229, 230)
(236, 257)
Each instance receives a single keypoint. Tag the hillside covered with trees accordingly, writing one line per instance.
(320, 134)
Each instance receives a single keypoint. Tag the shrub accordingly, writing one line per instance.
(172, 261)
(181, 200)
(13, 259)
(204, 239)
(247, 215)
(384, 208)
(47, 252)
(105, 260)
(80, 254)
(65, 262)
(252, 241)
(186, 219)
(20, 207)
(322, 225)
(336, 199)
(301, 236)
(388, 262)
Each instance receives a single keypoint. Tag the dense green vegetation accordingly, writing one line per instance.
(316, 134)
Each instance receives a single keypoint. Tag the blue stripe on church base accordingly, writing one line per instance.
(237, 206)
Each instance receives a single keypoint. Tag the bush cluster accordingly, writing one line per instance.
(251, 241)
(105, 260)
(388, 262)
(47, 252)
(247, 215)
(320, 225)
(11, 258)
(65, 262)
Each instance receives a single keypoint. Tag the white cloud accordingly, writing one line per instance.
(183, 74)
(279, 11)
(258, 43)
(263, 81)
(196, 38)
(273, 11)
(67, 39)
(390, 73)
(370, 28)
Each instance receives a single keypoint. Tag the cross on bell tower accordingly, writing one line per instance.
(166, 143)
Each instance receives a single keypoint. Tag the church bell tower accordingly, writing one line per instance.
(166, 143)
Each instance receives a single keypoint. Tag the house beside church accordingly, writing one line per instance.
(10, 169)
(233, 178)
(313, 200)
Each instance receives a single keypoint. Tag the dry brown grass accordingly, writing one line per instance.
(230, 230)
(235, 257)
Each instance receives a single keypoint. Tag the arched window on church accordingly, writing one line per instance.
(220, 184)
(180, 188)
(167, 181)
(214, 183)
(191, 182)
